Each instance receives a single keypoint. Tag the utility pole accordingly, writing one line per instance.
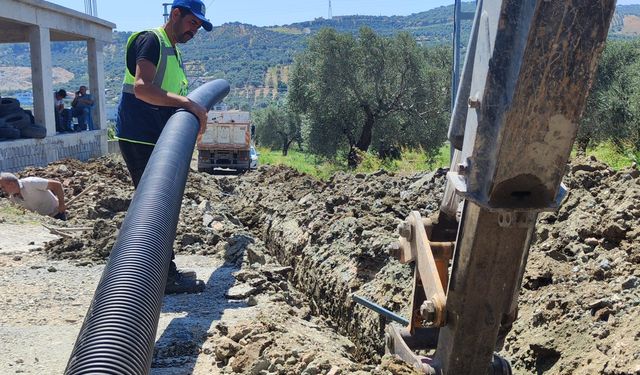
(166, 11)
(330, 13)
(458, 17)
(91, 7)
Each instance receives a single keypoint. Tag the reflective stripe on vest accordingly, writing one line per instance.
(169, 75)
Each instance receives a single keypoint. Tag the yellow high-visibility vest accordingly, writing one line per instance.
(170, 74)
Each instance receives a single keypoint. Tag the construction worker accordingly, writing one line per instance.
(36, 194)
(155, 86)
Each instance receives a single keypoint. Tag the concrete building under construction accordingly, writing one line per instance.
(40, 23)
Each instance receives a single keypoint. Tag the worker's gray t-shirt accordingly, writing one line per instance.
(36, 197)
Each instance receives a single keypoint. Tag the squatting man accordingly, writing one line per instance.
(36, 194)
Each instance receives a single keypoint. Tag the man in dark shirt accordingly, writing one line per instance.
(81, 108)
(155, 86)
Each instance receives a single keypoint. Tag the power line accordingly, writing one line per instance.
(166, 11)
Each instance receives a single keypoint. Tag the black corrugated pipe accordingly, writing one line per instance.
(118, 333)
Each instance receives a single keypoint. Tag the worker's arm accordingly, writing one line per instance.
(145, 90)
(56, 189)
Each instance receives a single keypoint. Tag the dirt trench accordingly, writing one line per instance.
(580, 303)
(336, 236)
(266, 326)
(299, 248)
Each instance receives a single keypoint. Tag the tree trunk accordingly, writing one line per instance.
(352, 158)
(367, 131)
(286, 143)
(582, 143)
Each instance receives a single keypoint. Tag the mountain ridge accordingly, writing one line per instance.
(254, 59)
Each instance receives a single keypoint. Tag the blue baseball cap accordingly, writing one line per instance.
(197, 8)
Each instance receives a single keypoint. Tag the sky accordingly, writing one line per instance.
(134, 15)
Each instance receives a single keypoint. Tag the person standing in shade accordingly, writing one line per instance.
(155, 86)
(81, 108)
(63, 115)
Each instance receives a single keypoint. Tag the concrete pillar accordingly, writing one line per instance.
(42, 77)
(96, 82)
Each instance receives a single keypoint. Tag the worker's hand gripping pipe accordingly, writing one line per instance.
(118, 333)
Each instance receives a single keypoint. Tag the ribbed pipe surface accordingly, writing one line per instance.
(118, 334)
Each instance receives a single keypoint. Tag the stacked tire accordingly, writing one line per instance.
(16, 122)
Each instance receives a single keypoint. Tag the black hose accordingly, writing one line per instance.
(118, 333)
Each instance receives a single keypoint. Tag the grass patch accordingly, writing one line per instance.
(608, 154)
(416, 160)
(412, 161)
(13, 213)
(10, 210)
(300, 161)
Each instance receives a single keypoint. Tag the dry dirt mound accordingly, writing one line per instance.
(281, 335)
(579, 306)
(336, 236)
(581, 298)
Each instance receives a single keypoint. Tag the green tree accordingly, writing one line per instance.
(354, 89)
(277, 127)
(426, 128)
(612, 111)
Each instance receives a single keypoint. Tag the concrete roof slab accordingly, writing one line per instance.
(65, 24)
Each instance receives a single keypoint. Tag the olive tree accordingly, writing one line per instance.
(612, 112)
(277, 127)
(369, 89)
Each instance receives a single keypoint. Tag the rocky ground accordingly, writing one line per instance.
(282, 254)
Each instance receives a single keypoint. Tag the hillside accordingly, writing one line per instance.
(626, 21)
(254, 59)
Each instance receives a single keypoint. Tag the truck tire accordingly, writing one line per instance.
(9, 105)
(9, 133)
(18, 120)
(34, 131)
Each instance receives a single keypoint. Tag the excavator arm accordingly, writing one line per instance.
(528, 69)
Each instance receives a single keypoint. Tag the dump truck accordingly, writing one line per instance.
(226, 142)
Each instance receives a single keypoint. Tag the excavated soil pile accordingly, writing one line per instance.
(303, 247)
(580, 305)
(280, 333)
(336, 236)
(580, 302)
